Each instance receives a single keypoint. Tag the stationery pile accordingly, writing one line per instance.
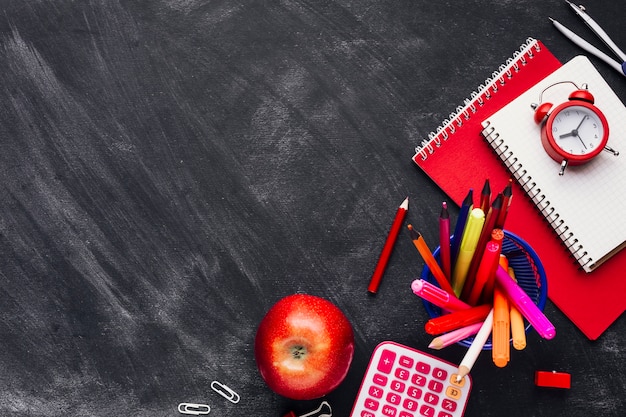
(458, 153)
(476, 289)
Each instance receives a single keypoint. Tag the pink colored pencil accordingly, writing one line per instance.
(454, 336)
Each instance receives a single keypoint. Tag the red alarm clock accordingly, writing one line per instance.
(574, 132)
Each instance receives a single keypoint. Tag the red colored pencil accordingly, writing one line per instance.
(485, 197)
(388, 247)
(507, 195)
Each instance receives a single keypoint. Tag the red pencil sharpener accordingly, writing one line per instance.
(553, 379)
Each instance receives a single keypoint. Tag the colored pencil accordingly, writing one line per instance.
(430, 260)
(383, 259)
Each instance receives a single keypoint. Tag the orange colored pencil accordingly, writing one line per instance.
(430, 260)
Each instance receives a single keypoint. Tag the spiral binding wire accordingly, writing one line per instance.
(477, 98)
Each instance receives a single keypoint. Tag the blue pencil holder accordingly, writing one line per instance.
(529, 273)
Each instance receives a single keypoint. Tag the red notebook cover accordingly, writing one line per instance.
(458, 158)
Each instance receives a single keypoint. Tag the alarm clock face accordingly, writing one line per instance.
(578, 132)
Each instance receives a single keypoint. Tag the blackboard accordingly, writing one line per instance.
(171, 168)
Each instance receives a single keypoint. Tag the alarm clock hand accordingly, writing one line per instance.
(574, 132)
(585, 117)
(581, 140)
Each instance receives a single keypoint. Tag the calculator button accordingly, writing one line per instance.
(380, 379)
(435, 386)
(419, 380)
(376, 392)
(431, 398)
(405, 414)
(415, 392)
(406, 361)
(453, 392)
(402, 374)
(440, 373)
(448, 405)
(389, 411)
(371, 404)
(398, 386)
(387, 358)
(367, 414)
(453, 381)
(444, 414)
(393, 398)
(422, 367)
(427, 411)
(410, 404)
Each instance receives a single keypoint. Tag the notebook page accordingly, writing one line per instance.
(589, 200)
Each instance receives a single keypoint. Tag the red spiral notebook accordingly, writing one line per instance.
(457, 157)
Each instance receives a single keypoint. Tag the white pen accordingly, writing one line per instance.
(618, 66)
(475, 348)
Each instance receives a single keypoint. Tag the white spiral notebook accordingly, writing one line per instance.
(587, 205)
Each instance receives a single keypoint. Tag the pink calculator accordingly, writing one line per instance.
(404, 382)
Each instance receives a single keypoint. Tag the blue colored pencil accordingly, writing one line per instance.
(455, 243)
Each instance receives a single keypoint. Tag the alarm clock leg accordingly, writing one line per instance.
(609, 149)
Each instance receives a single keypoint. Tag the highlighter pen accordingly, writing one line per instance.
(501, 334)
(518, 330)
(458, 319)
(444, 239)
(437, 296)
(455, 243)
(454, 336)
(430, 260)
(524, 304)
(486, 269)
(487, 294)
(474, 350)
(468, 246)
(485, 234)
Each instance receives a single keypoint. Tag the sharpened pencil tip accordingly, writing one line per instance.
(435, 344)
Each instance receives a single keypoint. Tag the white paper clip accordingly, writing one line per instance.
(193, 409)
(324, 410)
(225, 392)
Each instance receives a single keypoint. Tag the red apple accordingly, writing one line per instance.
(304, 347)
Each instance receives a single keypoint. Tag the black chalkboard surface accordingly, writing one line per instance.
(170, 169)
